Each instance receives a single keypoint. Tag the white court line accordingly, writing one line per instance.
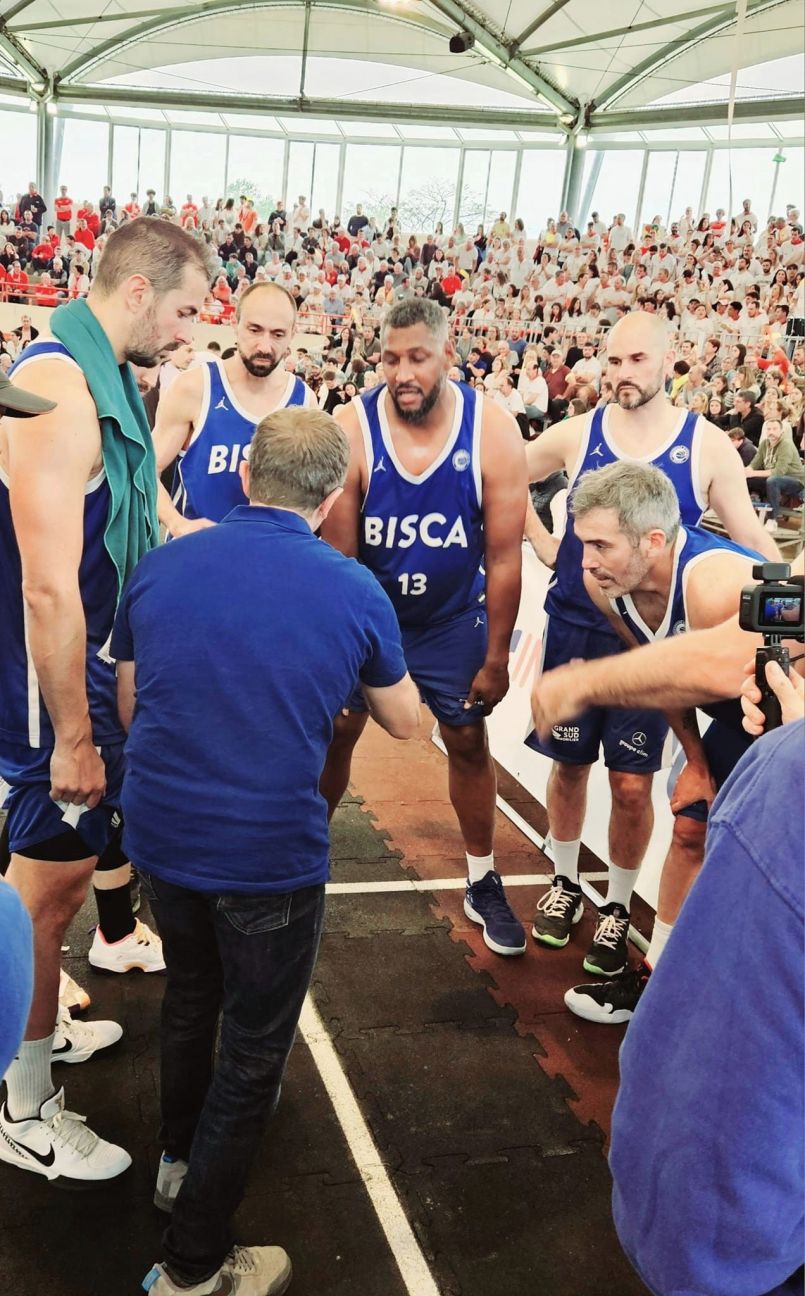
(413, 1267)
(442, 884)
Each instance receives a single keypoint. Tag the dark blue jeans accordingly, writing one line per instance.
(247, 960)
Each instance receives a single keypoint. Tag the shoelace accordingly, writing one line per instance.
(241, 1261)
(556, 902)
(70, 1128)
(610, 929)
(144, 936)
(494, 901)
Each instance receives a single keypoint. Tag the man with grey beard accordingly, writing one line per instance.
(641, 424)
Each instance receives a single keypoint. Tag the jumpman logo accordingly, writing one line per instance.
(380, 465)
(599, 450)
(222, 404)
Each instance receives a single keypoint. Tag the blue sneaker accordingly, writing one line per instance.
(485, 903)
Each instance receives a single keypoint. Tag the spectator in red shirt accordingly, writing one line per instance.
(42, 256)
(45, 292)
(556, 380)
(190, 209)
(132, 207)
(451, 284)
(17, 283)
(64, 211)
(85, 236)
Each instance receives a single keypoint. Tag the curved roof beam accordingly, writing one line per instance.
(19, 57)
(501, 55)
(678, 46)
(170, 19)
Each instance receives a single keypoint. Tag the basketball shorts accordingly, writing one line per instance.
(632, 740)
(443, 660)
(33, 817)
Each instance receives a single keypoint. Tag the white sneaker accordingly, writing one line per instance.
(58, 1145)
(247, 1271)
(142, 949)
(170, 1178)
(72, 996)
(75, 1041)
(771, 524)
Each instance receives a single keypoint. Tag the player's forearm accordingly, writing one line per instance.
(686, 671)
(167, 512)
(503, 587)
(57, 638)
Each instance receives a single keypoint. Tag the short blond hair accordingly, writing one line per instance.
(296, 459)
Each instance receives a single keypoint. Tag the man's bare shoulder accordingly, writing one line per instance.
(59, 380)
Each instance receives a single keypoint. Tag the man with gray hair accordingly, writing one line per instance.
(231, 835)
(433, 504)
(651, 578)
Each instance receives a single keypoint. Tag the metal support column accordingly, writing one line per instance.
(518, 167)
(573, 177)
(339, 184)
(166, 177)
(577, 209)
(49, 145)
(460, 186)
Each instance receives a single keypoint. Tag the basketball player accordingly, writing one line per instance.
(432, 504)
(61, 743)
(653, 579)
(209, 415)
(640, 425)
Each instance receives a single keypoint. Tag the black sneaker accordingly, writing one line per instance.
(557, 911)
(609, 954)
(609, 1002)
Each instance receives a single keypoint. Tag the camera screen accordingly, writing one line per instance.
(782, 610)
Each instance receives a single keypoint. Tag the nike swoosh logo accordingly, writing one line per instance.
(64, 1048)
(43, 1160)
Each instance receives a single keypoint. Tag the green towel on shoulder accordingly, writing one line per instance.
(128, 451)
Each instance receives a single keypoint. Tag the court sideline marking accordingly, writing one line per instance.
(405, 1249)
(442, 884)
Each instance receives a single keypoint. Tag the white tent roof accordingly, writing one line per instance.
(575, 58)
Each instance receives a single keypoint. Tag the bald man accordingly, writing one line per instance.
(642, 425)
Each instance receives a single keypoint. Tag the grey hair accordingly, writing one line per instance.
(296, 458)
(643, 498)
(416, 310)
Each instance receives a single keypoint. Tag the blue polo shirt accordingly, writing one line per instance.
(246, 638)
(707, 1129)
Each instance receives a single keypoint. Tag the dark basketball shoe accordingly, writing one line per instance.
(557, 911)
(608, 955)
(609, 1002)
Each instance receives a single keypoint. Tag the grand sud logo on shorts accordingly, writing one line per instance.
(679, 455)
(461, 460)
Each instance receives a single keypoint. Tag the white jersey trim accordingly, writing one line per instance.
(662, 629)
(91, 485)
(706, 553)
(696, 464)
(368, 449)
(583, 448)
(477, 430)
(447, 448)
(34, 717)
(206, 395)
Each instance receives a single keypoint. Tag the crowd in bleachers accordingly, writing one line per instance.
(529, 309)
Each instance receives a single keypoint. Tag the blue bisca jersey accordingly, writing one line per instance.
(692, 544)
(678, 459)
(207, 479)
(23, 715)
(423, 536)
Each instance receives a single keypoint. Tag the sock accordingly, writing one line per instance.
(621, 885)
(28, 1079)
(479, 865)
(659, 939)
(115, 918)
(566, 858)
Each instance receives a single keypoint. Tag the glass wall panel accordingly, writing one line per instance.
(658, 188)
(125, 164)
(197, 164)
(19, 154)
(152, 161)
(300, 172)
(501, 180)
(473, 209)
(84, 159)
(255, 168)
(325, 179)
(540, 194)
(616, 188)
(688, 184)
(370, 178)
(791, 182)
(751, 174)
(428, 189)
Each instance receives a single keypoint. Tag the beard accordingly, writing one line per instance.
(259, 366)
(417, 414)
(144, 347)
(630, 397)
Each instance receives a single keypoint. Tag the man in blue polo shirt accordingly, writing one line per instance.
(242, 641)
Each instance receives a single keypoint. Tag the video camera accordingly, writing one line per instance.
(774, 608)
